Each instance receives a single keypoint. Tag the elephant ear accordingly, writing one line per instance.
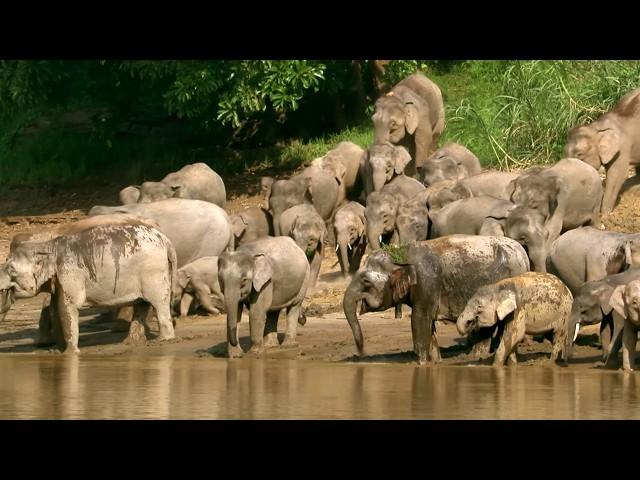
(511, 188)
(616, 301)
(401, 159)
(410, 117)
(608, 145)
(401, 280)
(262, 271)
(603, 293)
(339, 171)
(238, 225)
(506, 303)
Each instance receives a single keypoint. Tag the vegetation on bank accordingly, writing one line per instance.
(128, 121)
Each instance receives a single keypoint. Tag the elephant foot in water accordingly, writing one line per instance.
(234, 352)
(270, 340)
(289, 342)
(137, 335)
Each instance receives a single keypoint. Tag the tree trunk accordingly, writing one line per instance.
(377, 68)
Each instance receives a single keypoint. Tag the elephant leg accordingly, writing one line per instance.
(270, 338)
(616, 175)
(258, 318)
(398, 311)
(512, 359)
(434, 351)
(501, 354)
(629, 340)
(421, 331)
(203, 293)
(137, 334)
(481, 341)
(69, 321)
(45, 338)
(423, 137)
(294, 313)
(611, 358)
(185, 304)
(315, 269)
(606, 329)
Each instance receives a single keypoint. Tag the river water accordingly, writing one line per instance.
(174, 387)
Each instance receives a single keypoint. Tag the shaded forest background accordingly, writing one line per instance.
(64, 122)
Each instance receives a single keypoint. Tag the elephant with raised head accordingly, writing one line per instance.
(586, 254)
(107, 266)
(345, 163)
(197, 182)
(467, 262)
(349, 224)
(592, 305)
(412, 115)
(308, 230)
(267, 275)
(612, 141)
(625, 301)
(451, 162)
(568, 194)
(531, 303)
(381, 164)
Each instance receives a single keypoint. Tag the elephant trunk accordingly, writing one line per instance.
(538, 257)
(573, 326)
(276, 224)
(6, 300)
(344, 257)
(234, 310)
(374, 233)
(381, 133)
(379, 179)
(349, 304)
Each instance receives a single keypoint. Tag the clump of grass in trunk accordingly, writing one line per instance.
(398, 253)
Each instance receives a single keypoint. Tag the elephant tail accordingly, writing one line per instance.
(173, 269)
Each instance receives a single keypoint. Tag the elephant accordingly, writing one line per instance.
(198, 279)
(345, 162)
(526, 226)
(531, 303)
(586, 254)
(492, 183)
(251, 224)
(130, 194)
(312, 185)
(451, 162)
(625, 301)
(467, 263)
(106, 265)
(382, 209)
(592, 305)
(267, 275)
(412, 220)
(412, 115)
(613, 142)
(464, 216)
(49, 331)
(196, 228)
(349, 224)
(381, 164)
(265, 189)
(568, 194)
(197, 182)
(308, 230)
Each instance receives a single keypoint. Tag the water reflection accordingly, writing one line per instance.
(167, 387)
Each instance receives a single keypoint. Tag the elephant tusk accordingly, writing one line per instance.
(380, 239)
(337, 247)
(575, 334)
(349, 245)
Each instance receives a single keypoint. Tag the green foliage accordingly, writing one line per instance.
(398, 253)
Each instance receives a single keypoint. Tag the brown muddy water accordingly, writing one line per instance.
(173, 387)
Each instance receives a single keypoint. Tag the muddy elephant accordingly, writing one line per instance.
(611, 141)
(49, 331)
(586, 254)
(312, 185)
(308, 230)
(568, 194)
(467, 263)
(382, 209)
(196, 228)
(349, 224)
(250, 224)
(267, 275)
(451, 162)
(130, 194)
(412, 115)
(625, 301)
(198, 280)
(531, 303)
(381, 164)
(345, 162)
(197, 182)
(592, 305)
(106, 266)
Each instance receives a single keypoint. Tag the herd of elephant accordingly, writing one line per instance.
(504, 255)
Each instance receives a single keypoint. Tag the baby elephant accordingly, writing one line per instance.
(540, 303)
(198, 279)
(349, 225)
(625, 301)
(251, 224)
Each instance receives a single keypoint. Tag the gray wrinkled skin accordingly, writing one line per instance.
(345, 163)
(349, 224)
(198, 281)
(251, 224)
(451, 162)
